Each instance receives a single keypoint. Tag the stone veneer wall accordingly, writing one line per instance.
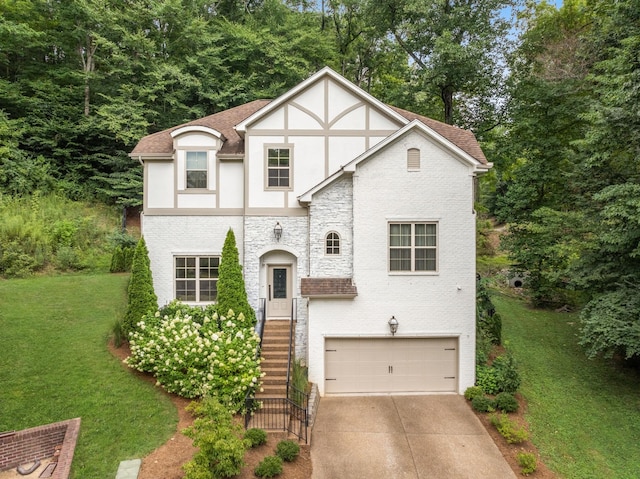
(37, 443)
(258, 241)
(332, 210)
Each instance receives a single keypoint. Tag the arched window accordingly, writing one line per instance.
(332, 243)
(413, 159)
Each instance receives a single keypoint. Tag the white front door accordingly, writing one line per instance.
(279, 291)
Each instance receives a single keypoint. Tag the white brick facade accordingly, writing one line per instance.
(332, 211)
(347, 173)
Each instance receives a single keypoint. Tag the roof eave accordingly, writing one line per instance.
(326, 71)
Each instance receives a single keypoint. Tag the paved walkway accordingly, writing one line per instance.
(408, 437)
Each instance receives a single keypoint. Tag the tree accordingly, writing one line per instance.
(232, 294)
(142, 298)
(454, 46)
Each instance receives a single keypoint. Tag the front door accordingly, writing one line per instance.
(279, 291)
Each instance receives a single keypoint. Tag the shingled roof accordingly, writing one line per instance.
(463, 139)
(161, 143)
(327, 287)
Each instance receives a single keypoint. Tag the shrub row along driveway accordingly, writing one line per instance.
(433, 436)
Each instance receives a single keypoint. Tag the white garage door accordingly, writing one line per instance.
(390, 365)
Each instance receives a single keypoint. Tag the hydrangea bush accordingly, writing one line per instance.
(214, 357)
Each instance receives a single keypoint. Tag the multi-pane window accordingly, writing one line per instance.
(196, 169)
(332, 243)
(196, 278)
(278, 167)
(413, 246)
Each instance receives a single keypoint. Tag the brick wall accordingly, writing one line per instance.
(332, 210)
(37, 443)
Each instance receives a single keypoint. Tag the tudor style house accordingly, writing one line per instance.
(357, 214)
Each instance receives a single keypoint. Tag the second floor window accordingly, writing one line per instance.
(278, 167)
(197, 169)
(413, 247)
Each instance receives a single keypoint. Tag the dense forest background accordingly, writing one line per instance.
(553, 94)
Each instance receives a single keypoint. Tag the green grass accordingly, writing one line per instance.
(55, 365)
(584, 414)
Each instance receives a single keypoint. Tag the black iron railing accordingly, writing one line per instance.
(290, 413)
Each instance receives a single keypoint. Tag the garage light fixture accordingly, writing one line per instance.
(277, 231)
(393, 325)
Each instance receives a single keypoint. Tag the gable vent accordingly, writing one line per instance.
(413, 159)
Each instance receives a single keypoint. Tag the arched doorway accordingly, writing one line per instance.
(278, 280)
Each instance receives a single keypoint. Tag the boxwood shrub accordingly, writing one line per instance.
(288, 450)
(270, 466)
(483, 404)
(255, 437)
(506, 402)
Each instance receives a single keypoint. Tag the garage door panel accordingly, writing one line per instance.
(376, 365)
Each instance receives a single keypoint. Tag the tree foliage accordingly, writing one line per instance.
(232, 294)
(570, 184)
(142, 298)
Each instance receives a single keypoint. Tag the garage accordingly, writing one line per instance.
(390, 365)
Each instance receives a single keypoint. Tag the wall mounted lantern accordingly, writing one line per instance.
(277, 231)
(393, 325)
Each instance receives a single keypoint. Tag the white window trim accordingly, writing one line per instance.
(186, 170)
(282, 146)
(326, 238)
(197, 257)
(413, 272)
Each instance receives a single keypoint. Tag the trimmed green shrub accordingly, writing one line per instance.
(528, 462)
(255, 437)
(507, 373)
(506, 402)
(487, 379)
(142, 298)
(117, 260)
(232, 294)
(483, 404)
(270, 466)
(287, 450)
(472, 392)
(218, 437)
(118, 333)
(128, 254)
(509, 429)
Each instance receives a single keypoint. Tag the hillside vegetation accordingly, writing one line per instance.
(50, 234)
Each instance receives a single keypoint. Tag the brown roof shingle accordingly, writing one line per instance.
(223, 121)
(161, 143)
(463, 139)
(327, 287)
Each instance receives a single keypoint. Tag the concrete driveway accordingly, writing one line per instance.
(388, 437)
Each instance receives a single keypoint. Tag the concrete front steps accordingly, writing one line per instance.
(275, 355)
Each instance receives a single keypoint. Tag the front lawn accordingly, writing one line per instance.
(55, 365)
(584, 414)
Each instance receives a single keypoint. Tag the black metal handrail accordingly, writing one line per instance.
(290, 413)
(294, 318)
